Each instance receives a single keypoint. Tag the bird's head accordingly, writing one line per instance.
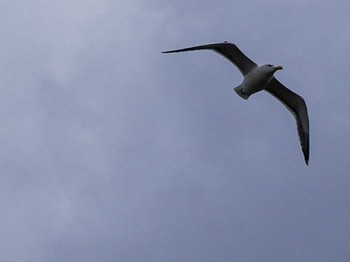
(270, 69)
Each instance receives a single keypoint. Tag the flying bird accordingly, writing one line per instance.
(261, 77)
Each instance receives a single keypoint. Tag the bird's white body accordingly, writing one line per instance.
(256, 80)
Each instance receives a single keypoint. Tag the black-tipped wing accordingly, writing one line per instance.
(297, 107)
(229, 51)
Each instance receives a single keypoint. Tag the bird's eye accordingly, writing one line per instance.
(269, 65)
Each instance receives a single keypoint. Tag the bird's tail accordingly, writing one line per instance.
(239, 91)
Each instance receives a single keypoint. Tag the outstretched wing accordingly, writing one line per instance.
(229, 51)
(297, 106)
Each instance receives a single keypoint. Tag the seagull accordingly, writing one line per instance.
(261, 77)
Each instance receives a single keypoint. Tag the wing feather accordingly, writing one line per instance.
(297, 106)
(229, 51)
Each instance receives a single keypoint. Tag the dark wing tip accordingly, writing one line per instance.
(306, 152)
(304, 139)
(209, 46)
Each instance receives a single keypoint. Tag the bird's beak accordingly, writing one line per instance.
(278, 68)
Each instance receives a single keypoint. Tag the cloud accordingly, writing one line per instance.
(111, 150)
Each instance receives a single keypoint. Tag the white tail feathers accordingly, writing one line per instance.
(238, 90)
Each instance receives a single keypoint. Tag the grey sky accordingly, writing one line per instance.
(112, 151)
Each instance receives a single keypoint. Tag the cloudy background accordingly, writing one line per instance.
(112, 151)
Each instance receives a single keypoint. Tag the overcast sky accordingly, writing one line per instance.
(112, 151)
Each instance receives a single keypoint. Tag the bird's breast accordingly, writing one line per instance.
(254, 82)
